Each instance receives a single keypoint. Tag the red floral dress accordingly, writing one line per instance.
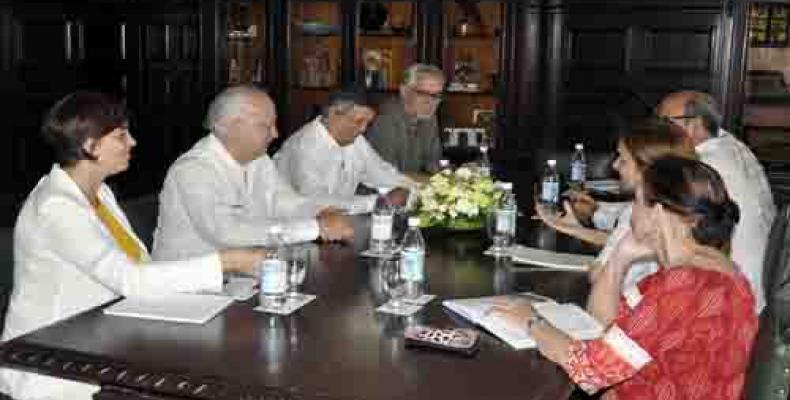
(682, 333)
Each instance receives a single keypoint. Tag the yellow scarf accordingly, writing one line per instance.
(124, 240)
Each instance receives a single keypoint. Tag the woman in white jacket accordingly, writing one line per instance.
(73, 246)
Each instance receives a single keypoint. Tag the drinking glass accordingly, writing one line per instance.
(395, 282)
(297, 271)
(500, 239)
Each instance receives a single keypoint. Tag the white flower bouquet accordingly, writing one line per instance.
(459, 199)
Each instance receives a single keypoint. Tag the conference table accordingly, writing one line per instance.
(336, 347)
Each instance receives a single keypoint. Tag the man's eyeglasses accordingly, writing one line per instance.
(433, 96)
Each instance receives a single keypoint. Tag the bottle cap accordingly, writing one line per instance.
(507, 185)
(383, 190)
(579, 146)
(551, 163)
(414, 222)
(444, 163)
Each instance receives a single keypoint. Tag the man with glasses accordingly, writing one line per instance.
(406, 132)
(226, 192)
(741, 172)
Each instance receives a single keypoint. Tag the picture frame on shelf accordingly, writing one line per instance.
(377, 68)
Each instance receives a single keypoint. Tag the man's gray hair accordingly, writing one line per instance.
(704, 106)
(415, 72)
(228, 102)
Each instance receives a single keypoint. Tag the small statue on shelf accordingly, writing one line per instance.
(466, 74)
(376, 65)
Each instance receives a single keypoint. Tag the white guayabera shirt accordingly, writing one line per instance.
(209, 201)
(323, 170)
(748, 187)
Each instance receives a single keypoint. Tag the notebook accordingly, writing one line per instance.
(186, 308)
(567, 317)
(549, 259)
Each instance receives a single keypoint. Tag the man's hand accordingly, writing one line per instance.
(334, 226)
(241, 259)
(398, 197)
(583, 205)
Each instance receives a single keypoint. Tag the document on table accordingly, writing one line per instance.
(548, 259)
(567, 317)
(177, 307)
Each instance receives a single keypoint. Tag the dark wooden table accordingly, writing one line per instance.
(337, 347)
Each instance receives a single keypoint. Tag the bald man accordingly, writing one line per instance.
(743, 176)
(226, 192)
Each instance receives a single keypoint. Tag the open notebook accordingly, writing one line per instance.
(568, 318)
(188, 308)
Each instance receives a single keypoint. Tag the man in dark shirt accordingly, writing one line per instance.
(406, 132)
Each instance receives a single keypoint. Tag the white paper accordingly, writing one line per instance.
(405, 309)
(188, 308)
(291, 304)
(571, 319)
(568, 318)
(545, 258)
(380, 254)
(420, 300)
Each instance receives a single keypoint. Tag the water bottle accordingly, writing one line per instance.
(485, 162)
(578, 168)
(506, 213)
(412, 262)
(381, 224)
(550, 185)
(274, 269)
(444, 165)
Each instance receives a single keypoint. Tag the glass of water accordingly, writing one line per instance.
(395, 282)
(297, 270)
(497, 228)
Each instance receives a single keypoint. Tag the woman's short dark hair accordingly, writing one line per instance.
(78, 117)
(692, 188)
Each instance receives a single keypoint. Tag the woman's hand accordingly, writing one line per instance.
(561, 222)
(628, 250)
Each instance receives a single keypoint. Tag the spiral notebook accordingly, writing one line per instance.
(185, 308)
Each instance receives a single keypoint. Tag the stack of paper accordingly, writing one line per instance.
(189, 308)
(549, 259)
(568, 318)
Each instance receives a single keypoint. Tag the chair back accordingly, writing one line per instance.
(142, 213)
(776, 270)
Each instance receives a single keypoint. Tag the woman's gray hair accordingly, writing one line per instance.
(228, 102)
(415, 72)
(704, 106)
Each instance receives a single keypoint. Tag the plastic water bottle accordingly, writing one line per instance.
(550, 185)
(485, 162)
(274, 269)
(412, 262)
(506, 213)
(381, 224)
(578, 167)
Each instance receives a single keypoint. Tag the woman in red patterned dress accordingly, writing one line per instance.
(684, 332)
